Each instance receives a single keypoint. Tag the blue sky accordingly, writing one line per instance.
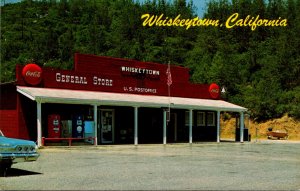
(200, 4)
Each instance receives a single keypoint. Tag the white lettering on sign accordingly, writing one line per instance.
(76, 79)
(139, 90)
(139, 70)
(35, 74)
(214, 91)
(62, 78)
(102, 82)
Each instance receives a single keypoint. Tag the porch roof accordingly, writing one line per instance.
(67, 96)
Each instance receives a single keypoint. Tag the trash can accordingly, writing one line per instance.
(247, 136)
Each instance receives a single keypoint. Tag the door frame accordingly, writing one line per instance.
(175, 125)
(100, 137)
(172, 129)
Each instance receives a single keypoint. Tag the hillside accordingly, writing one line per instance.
(259, 68)
(284, 123)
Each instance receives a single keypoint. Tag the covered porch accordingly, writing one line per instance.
(164, 104)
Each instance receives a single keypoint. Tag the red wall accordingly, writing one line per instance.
(109, 66)
(90, 68)
(17, 113)
(27, 115)
(9, 123)
(8, 110)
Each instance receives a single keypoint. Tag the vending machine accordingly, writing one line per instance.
(77, 126)
(54, 126)
(89, 131)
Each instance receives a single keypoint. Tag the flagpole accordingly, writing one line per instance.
(169, 93)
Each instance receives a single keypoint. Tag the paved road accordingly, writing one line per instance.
(205, 166)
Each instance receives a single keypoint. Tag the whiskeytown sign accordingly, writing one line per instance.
(134, 71)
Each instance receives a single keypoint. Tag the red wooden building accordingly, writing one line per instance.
(114, 101)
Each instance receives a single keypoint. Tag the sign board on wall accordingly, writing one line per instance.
(97, 73)
(32, 74)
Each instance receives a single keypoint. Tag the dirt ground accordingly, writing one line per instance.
(265, 165)
(285, 123)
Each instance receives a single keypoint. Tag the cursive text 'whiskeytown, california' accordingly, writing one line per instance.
(232, 21)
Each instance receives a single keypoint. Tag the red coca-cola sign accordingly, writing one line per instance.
(32, 74)
(214, 90)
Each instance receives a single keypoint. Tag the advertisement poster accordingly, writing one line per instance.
(155, 79)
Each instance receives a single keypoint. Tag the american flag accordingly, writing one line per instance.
(169, 77)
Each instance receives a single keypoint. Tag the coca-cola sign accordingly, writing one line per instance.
(32, 74)
(214, 90)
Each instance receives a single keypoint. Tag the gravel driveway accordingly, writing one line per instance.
(205, 166)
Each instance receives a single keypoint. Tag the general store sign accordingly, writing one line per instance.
(80, 79)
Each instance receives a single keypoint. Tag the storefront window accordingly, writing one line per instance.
(187, 118)
(210, 119)
(200, 119)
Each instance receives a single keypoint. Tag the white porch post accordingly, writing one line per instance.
(191, 126)
(241, 127)
(164, 126)
(96, 124)
(135, 125)
(39, 124)
(218, 126)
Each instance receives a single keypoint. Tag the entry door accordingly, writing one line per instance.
(107, 125)
(172, 128)
(174, 120)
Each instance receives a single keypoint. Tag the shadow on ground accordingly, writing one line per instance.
(14, 172)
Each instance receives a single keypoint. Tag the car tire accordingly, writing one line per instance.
(4, 168)
(3, 172)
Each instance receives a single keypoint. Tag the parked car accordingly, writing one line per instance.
(15, 150)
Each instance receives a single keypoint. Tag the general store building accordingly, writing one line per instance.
(106, 100)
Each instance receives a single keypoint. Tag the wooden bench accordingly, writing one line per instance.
(69, 139)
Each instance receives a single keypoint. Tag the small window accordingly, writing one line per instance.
(200, 119)
(210, 119)
(187, 118)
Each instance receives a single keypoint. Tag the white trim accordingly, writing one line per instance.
(241, 127)
(164, 126)
(96, 123)
(190, 126)
(21, 91)
(39, 124)
(136, 125)
(218, 126)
